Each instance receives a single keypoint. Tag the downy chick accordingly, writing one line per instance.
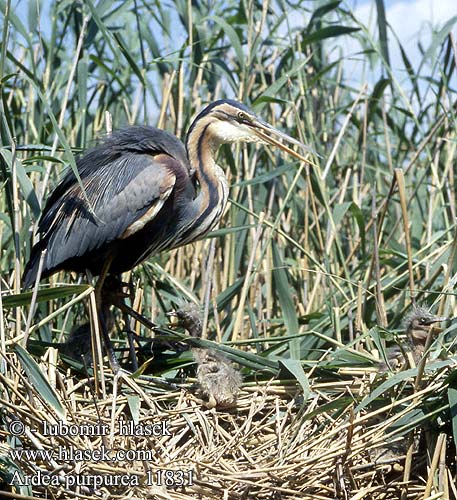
(417, 324)
(218, 379)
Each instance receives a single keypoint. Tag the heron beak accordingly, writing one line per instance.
(270, 135)
(436, 319)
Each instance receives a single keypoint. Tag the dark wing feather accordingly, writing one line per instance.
(125, 182)
(134, 140)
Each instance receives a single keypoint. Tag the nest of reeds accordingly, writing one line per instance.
(124, 437)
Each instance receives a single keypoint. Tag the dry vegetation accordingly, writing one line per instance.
(306, 283)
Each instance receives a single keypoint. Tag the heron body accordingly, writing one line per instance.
(144, 192)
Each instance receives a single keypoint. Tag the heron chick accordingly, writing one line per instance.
(417, 325)
(79, 344)
(218, 379)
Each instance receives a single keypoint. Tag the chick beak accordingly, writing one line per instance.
(437, 319)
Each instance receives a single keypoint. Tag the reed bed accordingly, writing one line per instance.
(272, 444)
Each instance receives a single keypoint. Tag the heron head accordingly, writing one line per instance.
(189, 317)
(229, 122)
(418, 324)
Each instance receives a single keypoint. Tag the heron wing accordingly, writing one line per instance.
(126, 179)
(98, 168)
(120, 206)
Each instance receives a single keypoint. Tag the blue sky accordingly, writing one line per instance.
(411, 20)
(408, 18)
(405, 16)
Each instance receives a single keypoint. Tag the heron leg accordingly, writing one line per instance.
(103, 307)
(113, 294)
(103, 314)
(101, 280)
(131, 337)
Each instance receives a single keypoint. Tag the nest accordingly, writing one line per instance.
(120, 437)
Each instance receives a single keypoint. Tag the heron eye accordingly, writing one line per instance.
(241, 116)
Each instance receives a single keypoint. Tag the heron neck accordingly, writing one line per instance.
(201, 149)
(210, 203)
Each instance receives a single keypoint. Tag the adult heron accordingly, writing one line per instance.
(141, 192)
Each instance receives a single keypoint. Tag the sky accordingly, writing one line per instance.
(409, 19)
(405, 16)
